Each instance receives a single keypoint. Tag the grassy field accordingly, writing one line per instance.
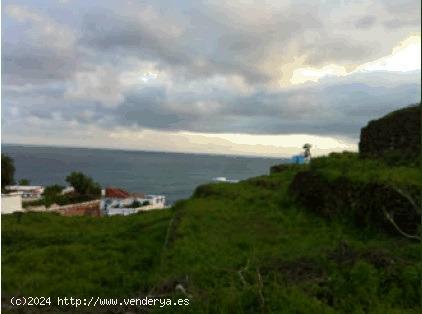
(47, 254)
(235, 248)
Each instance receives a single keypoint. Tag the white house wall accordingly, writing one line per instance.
(11, 203)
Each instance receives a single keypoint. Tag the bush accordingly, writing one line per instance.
(359, 190)
(24, 182)
(396, 137)
(83, 184)
(53, 190)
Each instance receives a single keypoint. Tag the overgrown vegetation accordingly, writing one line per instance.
(329, 237)
(394, 138)
(366, 193)
(362, 170)
(233, 248)
(85, 189)
(52, 255)
(83, 184)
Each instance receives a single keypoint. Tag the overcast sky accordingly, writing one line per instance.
(247, 77)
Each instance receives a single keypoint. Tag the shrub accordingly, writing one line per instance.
(396, 136)
(83, 184)
(52, 190)
(24, 182)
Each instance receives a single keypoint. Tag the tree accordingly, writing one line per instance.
(83, 184)
(24, 182)
(7, 171)
(53, 190)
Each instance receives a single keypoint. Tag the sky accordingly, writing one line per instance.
(223, 77)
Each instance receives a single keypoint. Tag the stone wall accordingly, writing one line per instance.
(91, 208)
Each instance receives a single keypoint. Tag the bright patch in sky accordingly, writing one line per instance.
(303, 75)
(230, 143)
(284, 141)
(405, 57)
(149, 76)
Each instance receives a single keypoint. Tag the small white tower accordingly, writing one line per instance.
(307, 152)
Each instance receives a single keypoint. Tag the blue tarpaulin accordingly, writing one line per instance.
(298, 159)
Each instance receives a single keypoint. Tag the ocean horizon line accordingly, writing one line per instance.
(134, 150)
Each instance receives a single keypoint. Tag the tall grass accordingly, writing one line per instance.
(235, 248)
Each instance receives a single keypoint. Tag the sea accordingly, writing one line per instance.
(174, 175)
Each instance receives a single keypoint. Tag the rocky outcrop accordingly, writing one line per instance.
(395, 137)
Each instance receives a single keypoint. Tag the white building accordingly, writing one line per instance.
(27, 191)
(115, 201)
(11, 203)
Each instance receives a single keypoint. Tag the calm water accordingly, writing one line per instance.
(172, 174)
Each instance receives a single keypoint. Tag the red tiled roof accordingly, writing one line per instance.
(116, 193)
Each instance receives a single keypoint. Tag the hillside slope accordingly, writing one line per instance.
(341, 235)
(234, 248)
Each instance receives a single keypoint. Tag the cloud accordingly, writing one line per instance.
(101, 85)
(43, 51)
(43, 30)
(205, 67)
(201, 39)
(336, 107)
(250, 40)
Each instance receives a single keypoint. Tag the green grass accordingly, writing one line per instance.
(47, 254)
(255, 225)
(362, 170)
(235, 248)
